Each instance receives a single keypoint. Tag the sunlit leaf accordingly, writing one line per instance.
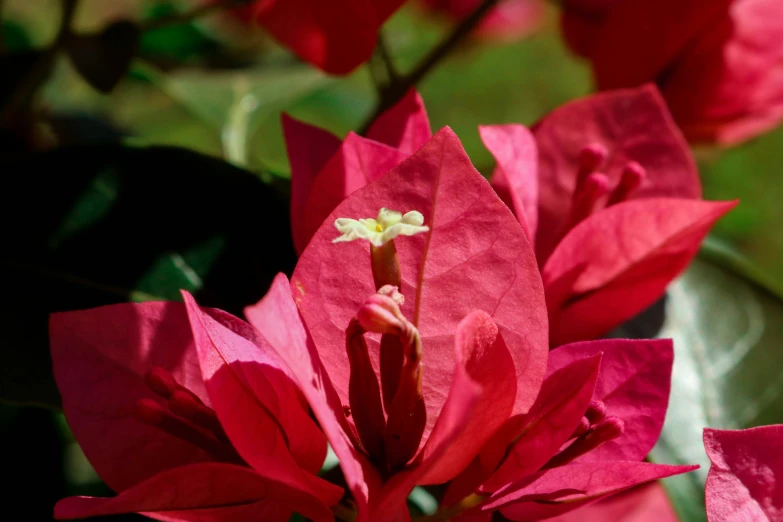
(728, 366)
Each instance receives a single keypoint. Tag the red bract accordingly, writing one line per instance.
(334, 36)
(508, 21)
(613, 207)
(599, 412)
(605, 187)
(744, 482)
(718, 63)
(177, 446)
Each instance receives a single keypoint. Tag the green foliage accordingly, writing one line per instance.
(728, 332)
(102, 224)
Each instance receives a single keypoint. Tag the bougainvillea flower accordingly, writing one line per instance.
(606, 188)
(745, 479)
(600, 411)
(237, 444)
(431, 340)
(334, 36)
(717, 63)
(510, 20)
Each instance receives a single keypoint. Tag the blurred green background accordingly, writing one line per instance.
(217, 87)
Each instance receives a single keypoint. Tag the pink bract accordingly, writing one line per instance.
(147, 417)
(744, 482)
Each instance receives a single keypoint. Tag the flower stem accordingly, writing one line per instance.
(399, 87)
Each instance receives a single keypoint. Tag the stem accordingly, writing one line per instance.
(397, 89)
(198, 12)
(383, 51)
(36, 76)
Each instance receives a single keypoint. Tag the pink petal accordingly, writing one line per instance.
(100, 359)
(359, 161)
(277, 318)
(405, 126)
(560, 406)
(474, 257)
(633, 383)
(744, 482)
(626, 256)
(481, 350)
(258, 404)
(650, 138)
(515, 178)
(309, 149)
(224, 491)
(336, 40)
(558, 487)
(647, 503)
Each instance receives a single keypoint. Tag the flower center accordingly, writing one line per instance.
(183, 415)
(389, 418)
(592, 191)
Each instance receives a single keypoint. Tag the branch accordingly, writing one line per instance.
(189, 16)
(39, 71)
(397, 89)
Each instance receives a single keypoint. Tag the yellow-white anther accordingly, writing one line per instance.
(386, 227)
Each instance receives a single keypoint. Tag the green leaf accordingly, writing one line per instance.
(728, 365)
(103, 58)
(236, 103)
(92, 225)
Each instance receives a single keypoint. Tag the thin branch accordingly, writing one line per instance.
(40, 70)
(400, 87)
(189, 16)
(383, 52)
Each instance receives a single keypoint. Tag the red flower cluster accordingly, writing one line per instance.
(719, 64)
(424, 359)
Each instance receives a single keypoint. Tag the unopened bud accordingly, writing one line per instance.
(381, 314)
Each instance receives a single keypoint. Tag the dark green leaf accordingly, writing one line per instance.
(103, 58)
(91, 225)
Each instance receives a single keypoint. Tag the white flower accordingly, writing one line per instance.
(386, 227)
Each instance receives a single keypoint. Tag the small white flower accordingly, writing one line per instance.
(386, 227)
